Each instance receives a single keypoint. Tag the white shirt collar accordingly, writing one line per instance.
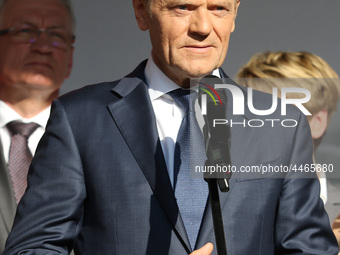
(7, 114)
(160, 84)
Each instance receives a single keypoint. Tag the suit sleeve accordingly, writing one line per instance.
(49, 215)
(302, 225)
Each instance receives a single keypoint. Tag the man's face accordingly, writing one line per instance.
(36, 65)
(189, 37)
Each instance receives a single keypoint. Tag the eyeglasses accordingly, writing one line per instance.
(58, 37)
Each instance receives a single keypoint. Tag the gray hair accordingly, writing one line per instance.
(67, 4)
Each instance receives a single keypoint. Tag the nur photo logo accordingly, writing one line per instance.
(214, 93)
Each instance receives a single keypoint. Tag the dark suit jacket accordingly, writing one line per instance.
(106, 188)
(7, 201)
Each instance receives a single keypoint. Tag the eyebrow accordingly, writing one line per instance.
(221, 2)
(29, 23)
(228, 3)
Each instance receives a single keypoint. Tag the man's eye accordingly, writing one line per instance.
(219, 10)
(25, 31)
(182, 7)
(58, 36)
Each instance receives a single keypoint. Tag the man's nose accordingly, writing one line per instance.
(42, 42)
(201, 22)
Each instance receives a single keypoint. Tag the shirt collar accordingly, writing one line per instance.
(160, 84)
(7, 114)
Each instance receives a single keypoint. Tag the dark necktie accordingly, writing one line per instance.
(191, 192)
(19, 155)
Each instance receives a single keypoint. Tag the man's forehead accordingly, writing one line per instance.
(215, 2)
(32, 11)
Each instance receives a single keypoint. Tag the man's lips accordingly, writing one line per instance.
(198, 48)
(41, 64)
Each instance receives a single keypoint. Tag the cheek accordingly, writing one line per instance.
(11, 66)
(174, 34)
(12, 58)
(224, 37)
(165, 39)
(64, 64)
(224, 28)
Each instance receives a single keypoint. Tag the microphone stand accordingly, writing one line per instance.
(216, 208)
(217, 145)
(217, 217)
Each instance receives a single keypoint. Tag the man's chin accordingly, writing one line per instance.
(199, 70)
(40, 81)
(200, 74)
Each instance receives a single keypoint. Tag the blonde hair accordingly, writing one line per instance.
(315, 74)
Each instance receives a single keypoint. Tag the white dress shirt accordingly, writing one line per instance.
(7, 114)
(168, 114)
(323, 186)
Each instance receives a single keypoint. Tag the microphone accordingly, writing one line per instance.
(216, 137)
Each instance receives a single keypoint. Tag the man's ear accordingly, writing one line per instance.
(141, 13)
(318, 124)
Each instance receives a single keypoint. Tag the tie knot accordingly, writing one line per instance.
(184, 98)
(24, 129)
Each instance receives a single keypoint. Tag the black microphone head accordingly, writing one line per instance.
(207, 84)
(210, 81)
(218, 142)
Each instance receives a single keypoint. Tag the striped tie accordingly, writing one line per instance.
(19, 155)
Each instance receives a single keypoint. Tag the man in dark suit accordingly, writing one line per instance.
(35, 58)
(103, 178)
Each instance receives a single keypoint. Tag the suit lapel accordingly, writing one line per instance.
(134, 116)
